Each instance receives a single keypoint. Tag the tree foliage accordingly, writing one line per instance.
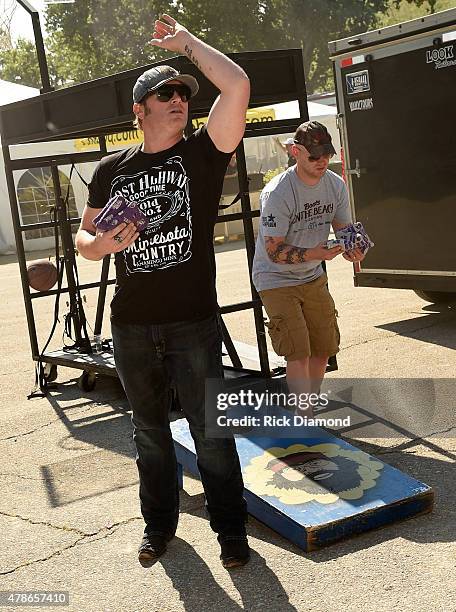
(97, 37)
(20, 65)
(94, 38)
(399, 11)
(7, 11)
(311, 24)
(5, 40)
(429, 6)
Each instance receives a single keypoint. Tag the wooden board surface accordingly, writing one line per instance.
(317, 489)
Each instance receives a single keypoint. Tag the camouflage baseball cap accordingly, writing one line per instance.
(315, 138)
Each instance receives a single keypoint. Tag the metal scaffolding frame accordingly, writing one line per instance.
(101, 107)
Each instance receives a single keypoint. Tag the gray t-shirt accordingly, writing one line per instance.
(302, 214)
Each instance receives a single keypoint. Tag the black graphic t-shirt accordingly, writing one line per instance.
(168, 273)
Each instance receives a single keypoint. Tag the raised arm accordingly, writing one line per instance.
(226, 123)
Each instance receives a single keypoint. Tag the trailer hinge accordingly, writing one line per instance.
(357, 170)
(339, 118)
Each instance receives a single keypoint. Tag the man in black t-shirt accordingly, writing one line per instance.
(165, 327)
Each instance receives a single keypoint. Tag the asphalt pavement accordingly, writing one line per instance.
(69, 513)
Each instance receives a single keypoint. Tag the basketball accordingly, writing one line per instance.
(42, 274)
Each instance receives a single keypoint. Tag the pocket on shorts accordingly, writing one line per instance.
(325, 335)
(279, 333)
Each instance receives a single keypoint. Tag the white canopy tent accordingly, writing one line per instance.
(9, 92)
(319, 112)
(263, 153)
(12, 92)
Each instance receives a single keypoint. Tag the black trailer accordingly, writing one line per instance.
(396, 96)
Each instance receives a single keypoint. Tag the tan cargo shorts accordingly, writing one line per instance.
(302, 320)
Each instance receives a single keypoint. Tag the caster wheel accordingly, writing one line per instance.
(87, 381)
(50, 372)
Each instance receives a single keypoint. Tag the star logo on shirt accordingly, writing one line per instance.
(268, 221)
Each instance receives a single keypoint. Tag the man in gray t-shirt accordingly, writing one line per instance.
(298, 208)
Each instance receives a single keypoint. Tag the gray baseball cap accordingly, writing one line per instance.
(153, 78)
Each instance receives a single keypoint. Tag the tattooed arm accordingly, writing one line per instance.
(226, 123)
(282, 253)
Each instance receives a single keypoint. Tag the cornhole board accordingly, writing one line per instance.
(349, 492)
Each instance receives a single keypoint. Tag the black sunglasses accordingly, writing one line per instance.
(166, 92)
(314, 158)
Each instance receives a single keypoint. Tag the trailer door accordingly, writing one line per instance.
(399, 113)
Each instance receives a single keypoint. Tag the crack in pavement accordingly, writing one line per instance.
(28, 563)
(109, 530)
(47, 524)
(436, 433)
(23, 477)
(27, 433)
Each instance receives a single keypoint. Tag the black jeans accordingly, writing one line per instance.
(149, 358)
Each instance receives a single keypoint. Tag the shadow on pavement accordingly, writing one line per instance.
(437, 326)
(104, 432)
(256, 583)
(109, 465)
